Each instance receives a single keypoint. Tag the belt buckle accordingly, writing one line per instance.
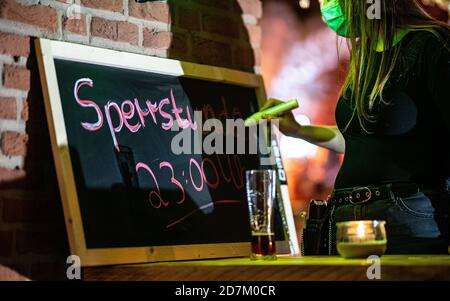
(368, 195)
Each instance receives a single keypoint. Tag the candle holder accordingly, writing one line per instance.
(361, 239)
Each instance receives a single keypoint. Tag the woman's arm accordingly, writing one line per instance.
(325, 136)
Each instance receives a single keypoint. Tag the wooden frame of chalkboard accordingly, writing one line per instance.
(48, 53)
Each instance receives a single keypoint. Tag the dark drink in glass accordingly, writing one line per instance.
(263, 246)
(260, 195)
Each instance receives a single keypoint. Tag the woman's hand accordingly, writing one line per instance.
(325, 136)
(287, 123)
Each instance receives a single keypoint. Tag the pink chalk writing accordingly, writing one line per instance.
(152, 193)
(215, 184)
(196, 187)
(88, 104)
(118, 116)
(173, 180)
(128, 115)
(235, 170)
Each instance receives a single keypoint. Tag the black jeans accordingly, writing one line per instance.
(417, 224)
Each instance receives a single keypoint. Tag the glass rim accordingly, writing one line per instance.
(251, 171)
(365, 222)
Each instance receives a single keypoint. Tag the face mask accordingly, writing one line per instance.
(334, 17)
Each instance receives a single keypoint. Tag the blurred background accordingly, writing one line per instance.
(300, 60)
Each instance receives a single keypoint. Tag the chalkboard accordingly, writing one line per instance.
(129, 194)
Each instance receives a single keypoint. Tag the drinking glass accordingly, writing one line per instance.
(261, 189)
(361, 239)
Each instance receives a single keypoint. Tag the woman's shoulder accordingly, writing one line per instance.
(427, 46)
(430, 38)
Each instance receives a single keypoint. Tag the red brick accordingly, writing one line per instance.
(13, 272)
(244, 58)
(28, 195)
(253, 34)
(8, 274)
(25, 211)
(24, 113)
(188, 19)
(14, 144)
(16, 77)
(41, 242)
(51, 271)
(112, 5)
(153, 11)
(115, 30)
(8, 108)
(179, 46)
(221, 4)
(220, 25)
(127, 32)
(157, 40)
(6, 240)
(11, 175)
(104, 28)
(37, 15)
(75, 25)
(250, 7)
(14, 45)
(211, 52)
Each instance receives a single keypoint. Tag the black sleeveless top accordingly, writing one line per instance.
(411, 139)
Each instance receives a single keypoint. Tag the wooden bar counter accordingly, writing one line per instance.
(285, 268)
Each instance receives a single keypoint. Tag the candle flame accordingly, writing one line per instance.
(360, 229)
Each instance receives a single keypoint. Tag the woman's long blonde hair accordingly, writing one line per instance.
(365, 84)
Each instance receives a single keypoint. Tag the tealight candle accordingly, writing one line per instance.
(360, 239)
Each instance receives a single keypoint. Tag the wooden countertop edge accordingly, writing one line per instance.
(264, 273)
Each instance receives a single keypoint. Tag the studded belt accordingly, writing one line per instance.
(365, 194)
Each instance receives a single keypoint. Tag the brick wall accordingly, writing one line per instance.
(216, 32)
